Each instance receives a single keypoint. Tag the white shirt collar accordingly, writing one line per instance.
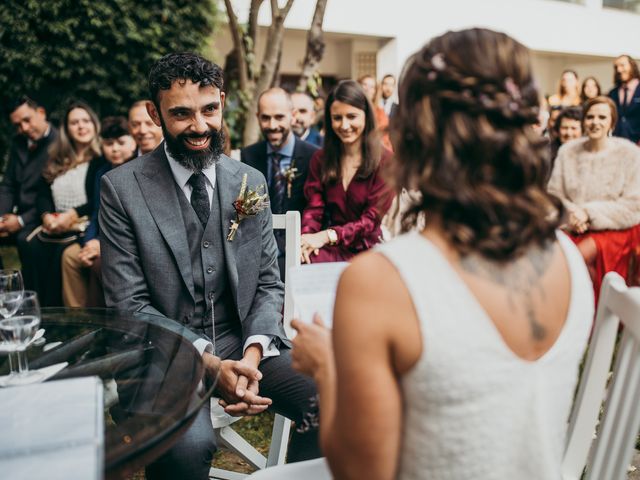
(182, 174)
(46, 134)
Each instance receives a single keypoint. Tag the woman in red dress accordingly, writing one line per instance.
(346, 195)
(598, 179)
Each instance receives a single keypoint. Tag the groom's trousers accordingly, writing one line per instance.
(293, 395)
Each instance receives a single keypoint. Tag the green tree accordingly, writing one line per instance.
(98, 51)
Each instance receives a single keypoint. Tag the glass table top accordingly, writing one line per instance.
(152, 377)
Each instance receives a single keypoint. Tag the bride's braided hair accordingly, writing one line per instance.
(463, 137)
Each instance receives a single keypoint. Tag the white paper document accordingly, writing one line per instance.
(313, 288)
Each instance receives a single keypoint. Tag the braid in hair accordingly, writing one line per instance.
(462, 137)
(502, 101)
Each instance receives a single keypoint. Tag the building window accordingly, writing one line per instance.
(629, 5)
(366, 63)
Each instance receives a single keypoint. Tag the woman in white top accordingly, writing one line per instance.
(65, 195)
(454, 352)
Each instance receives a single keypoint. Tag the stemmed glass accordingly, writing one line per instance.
(19, 330)
(11, 291)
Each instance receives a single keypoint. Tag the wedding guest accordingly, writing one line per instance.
(626, 97)
(146, 133)
(598, 179)
(81, 265)
(542, 122)
(18, 189)
(479, 320)
(402, 203)
(64, 196)
(346, 195)
(568, 93)
(551, 131)
(368, 84)
(568, 126)
(281, 157)
(590, 89)
(387, 89)
(303, 119)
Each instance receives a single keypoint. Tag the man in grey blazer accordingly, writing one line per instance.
(165, 218)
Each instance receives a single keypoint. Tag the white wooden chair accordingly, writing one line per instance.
(222, 422)
(610, 454)
(316, 469)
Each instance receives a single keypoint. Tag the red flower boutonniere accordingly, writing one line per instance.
(249, 203)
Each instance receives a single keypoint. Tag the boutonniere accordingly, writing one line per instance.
(249, 203)
(290, 174)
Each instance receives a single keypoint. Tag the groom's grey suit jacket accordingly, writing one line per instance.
(146, 264)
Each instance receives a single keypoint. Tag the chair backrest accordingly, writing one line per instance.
(291, 223)
(610, 454)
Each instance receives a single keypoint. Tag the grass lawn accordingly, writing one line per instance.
(256, 430)
(10, 258)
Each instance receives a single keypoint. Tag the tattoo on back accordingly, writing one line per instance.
(522, 279)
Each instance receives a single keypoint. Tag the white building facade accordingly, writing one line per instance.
(376, 36)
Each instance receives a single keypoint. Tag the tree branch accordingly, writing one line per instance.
(253, 19)
(269, 67)
(315, 47)
(238, 43)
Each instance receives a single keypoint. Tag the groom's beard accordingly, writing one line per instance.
(195, 160)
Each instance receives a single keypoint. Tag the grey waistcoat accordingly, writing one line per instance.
(210, 280)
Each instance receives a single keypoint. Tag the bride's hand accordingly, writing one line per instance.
(312, 349)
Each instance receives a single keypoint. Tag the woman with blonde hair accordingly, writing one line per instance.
(64, 196)
(455, 350)
(568, 94)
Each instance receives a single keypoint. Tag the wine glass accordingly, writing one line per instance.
(11, 291)
(18, 331)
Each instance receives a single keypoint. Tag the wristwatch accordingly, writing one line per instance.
(333, 236)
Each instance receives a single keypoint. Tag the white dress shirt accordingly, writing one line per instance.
(182, 176)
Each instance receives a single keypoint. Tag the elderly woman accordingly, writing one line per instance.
(598, 179)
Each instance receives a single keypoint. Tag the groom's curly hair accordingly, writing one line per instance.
(181, 67)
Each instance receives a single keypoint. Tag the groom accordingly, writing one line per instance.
(164, 219)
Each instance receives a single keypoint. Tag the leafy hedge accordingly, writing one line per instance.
(98, 51)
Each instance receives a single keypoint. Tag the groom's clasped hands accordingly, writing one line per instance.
(238, 383)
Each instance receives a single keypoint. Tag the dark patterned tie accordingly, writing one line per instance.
(200, 197)
(278, 184)
(625, 99)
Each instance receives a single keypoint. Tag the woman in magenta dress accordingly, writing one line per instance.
(346, 195)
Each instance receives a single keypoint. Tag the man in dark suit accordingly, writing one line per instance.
(278, 155)
(27, 158)
(304, 116)
(164, 221)
(387, 89)
(626, 96)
